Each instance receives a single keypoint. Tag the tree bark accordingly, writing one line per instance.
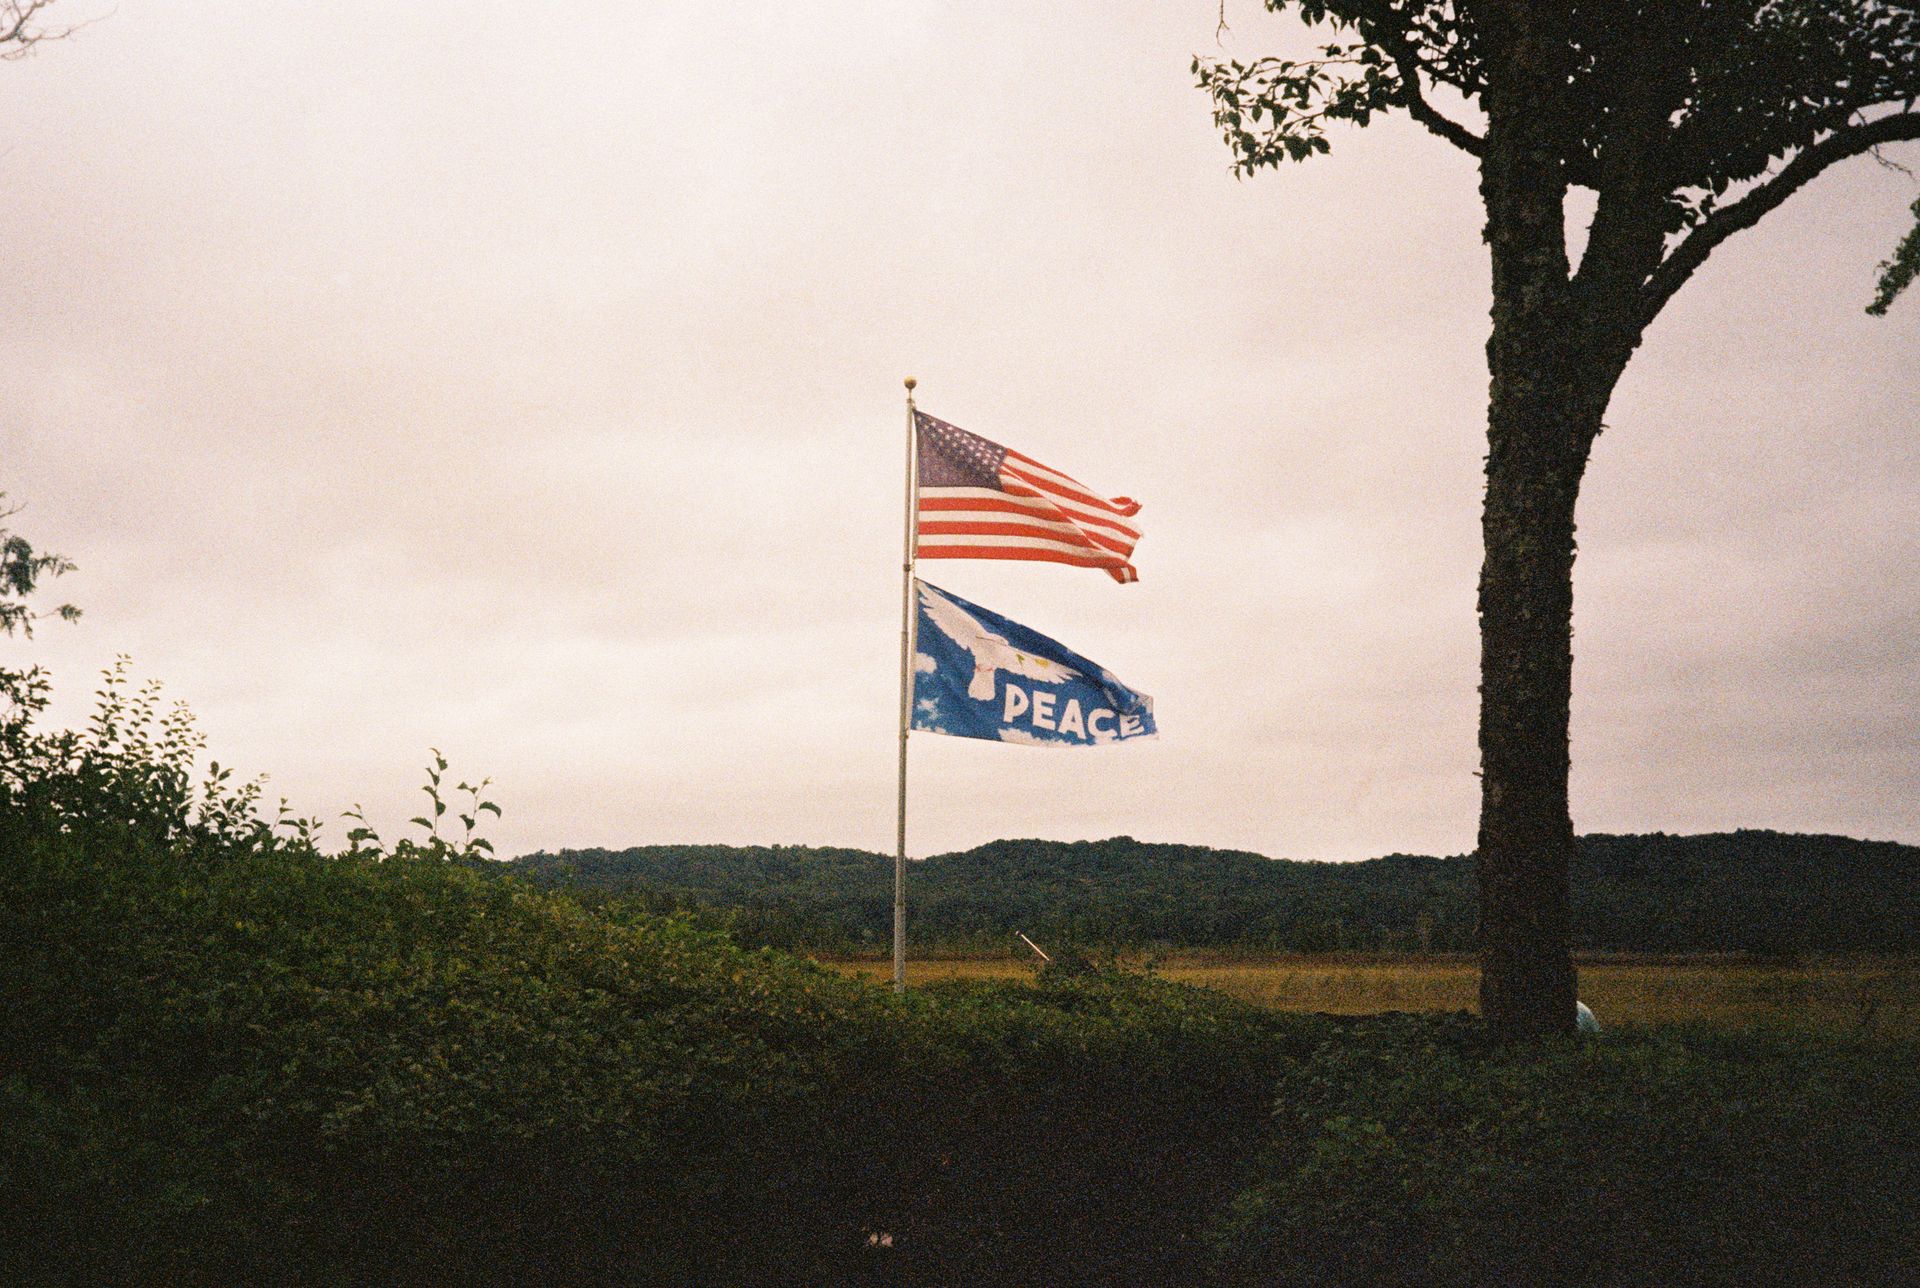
(1542, 415)
(1526, 680)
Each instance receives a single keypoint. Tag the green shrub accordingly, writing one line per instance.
(1080, 1130)
(1405, 1153)
(226, 1056)
(282, 1065)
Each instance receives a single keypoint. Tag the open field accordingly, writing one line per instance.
(1868, 997)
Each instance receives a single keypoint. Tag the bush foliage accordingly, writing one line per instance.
(227, 1055)
(1407, 1152)
(227, 1070)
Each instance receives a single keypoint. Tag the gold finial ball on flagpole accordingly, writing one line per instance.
(911, 382)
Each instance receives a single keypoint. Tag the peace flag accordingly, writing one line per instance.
(979, 675)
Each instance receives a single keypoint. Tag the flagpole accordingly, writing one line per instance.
(908, 619)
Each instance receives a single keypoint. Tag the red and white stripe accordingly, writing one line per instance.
(1042, 514)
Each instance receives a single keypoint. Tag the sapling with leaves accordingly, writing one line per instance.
(22, 569)
(469, 843)
(470, 846)
(361, 838)
(432, 789)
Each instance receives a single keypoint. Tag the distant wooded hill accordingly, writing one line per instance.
(1748, 891)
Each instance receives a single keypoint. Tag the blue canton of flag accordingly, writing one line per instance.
(978, 675)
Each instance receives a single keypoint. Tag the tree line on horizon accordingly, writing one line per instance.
(1764, 893)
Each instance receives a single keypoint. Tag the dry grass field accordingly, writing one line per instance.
(1872, 997)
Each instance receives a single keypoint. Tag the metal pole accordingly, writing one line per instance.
(909, 616)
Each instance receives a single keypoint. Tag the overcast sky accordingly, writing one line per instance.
(527, 383)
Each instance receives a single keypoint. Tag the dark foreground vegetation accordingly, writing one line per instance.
(229, 1057)
(1767, 893)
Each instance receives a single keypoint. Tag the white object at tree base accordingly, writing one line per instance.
(1583, 1018)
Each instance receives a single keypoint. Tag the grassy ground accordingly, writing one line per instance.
(1870, 997)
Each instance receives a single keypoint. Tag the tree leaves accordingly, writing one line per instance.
(1897, 273)
(1674, 110)
(1276, 110)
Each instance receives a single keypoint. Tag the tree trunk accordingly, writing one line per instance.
(1526, 679)
(1541, 418)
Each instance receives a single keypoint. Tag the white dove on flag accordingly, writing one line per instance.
(991, 653)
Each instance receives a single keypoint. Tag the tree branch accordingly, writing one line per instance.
(1404, 61)
(18, 35)
(1692, 252)
(14, 17)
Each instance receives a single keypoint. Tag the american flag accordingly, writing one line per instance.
(979, 500)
